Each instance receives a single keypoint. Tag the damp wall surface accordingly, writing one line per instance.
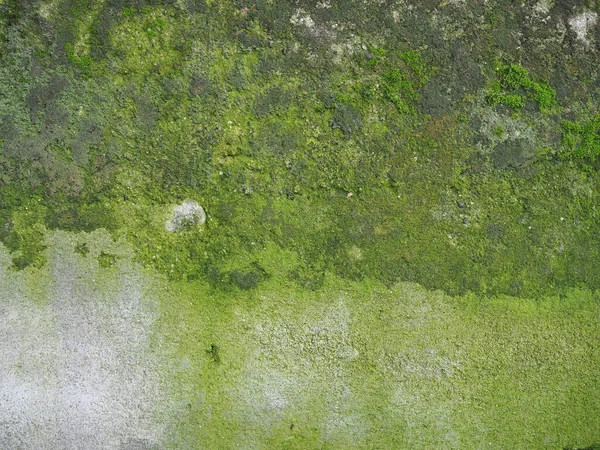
(120, 358)
(270, 224)
(77, 366)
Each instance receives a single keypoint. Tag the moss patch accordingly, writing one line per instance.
(363, 366)
(515, 86)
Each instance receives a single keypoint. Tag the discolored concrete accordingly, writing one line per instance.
(77, 369)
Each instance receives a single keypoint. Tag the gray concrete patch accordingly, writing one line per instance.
(76, 366)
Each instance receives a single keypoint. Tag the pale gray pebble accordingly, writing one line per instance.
(184, 215)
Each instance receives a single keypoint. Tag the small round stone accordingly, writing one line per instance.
(187, 214)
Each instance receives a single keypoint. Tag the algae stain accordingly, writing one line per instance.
(146, 42)
(106, 260)
(356, 364)
(82, 248)
(84, 20)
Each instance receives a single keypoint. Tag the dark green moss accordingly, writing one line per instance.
(348, 159)
(82, 248)
(213, 354)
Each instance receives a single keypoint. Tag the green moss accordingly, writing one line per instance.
(515, 85)
(376, 55)
(415, 63)
(83, 62)
(154, 26)
(362, 366)
(324, 159)
(400, 87)
(128, 12)
(213, 353)
(82, 248)
(24, 234)
(106, 260)
(147, 43)
(514, 77)
(499, 131)
(544, 95)
(324, 187)
(513, 101)
(581, 140)
(396, 88)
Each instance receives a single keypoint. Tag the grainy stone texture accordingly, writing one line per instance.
(76, 368)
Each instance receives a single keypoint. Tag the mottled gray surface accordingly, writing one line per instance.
(77, 368)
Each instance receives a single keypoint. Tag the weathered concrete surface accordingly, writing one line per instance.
(98, 353)
(76, 364)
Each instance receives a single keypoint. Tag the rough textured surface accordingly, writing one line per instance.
(77, 362)
(188, 214)
(116, 358)
(402, 241)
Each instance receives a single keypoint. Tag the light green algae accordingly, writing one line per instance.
(120, 353)
(361, 366)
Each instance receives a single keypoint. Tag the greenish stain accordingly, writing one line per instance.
(84, 62)
(82, 248)
(362, 365)
(106, 260)
(307, 164)
(324, 185)
(24, 235)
